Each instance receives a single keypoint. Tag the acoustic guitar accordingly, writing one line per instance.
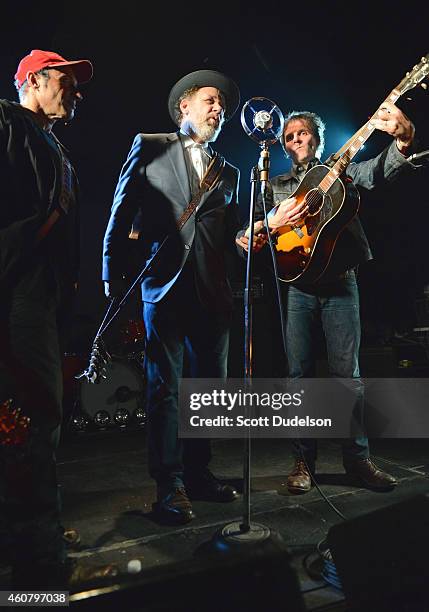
(304, 250)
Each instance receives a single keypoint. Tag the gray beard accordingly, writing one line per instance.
(206, 132)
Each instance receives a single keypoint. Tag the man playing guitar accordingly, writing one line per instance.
(328, 297)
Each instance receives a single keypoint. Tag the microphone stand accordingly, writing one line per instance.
(233, 535)
(258, 174)
(248, 337)
(231, 538)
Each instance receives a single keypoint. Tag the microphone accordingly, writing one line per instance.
(417, 156)
(263, 120)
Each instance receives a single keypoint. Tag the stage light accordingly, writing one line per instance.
(140, 416)
(79, 423)
(102, 418)
(121, 417)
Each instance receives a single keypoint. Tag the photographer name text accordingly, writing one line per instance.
(274, 420)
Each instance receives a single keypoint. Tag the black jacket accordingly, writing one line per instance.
(30, 186)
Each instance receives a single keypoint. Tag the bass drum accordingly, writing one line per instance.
(116, 400)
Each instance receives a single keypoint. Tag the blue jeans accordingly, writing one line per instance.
(334, 306)
(176, 324)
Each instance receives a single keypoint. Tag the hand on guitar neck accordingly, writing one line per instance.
(393, 121)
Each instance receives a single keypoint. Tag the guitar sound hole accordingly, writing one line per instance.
(314, 200)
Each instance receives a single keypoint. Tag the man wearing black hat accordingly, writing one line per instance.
(38, 273)
(186, 294)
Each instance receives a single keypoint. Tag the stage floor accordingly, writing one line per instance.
(107, 496)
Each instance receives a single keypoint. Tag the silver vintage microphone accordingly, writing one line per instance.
(263, 121)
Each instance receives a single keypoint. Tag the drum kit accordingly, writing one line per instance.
(118, 400)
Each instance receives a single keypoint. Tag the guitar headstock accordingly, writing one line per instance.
(413, 78)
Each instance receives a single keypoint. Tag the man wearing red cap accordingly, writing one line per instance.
(38, 273)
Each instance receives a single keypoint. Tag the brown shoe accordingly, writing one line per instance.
(71, 538)
(88, 574)
(368, 474)
(68, 575)
(173, 507)
(299, 480)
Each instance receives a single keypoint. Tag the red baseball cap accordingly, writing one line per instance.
(37, 60)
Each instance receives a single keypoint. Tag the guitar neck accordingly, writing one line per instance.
(353, 146)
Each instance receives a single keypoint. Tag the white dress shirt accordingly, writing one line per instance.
(197, 158)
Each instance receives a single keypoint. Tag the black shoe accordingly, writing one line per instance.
(206, 487)
(173, 507)
(369, 475)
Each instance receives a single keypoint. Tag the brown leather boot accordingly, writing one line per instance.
(173, 506)
(81, 575)
(369, 475)
(67, 575)
(71, 538)
(299, 480)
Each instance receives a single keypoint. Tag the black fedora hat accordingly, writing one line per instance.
(206, 78)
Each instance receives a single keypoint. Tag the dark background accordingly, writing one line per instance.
(338, 59)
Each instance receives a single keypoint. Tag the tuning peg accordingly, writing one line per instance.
(424, 86)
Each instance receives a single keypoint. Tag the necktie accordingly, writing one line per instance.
(197, 159)
(199, 164)
(66, 192)
(66, 195)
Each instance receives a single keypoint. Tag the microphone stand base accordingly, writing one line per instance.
(235, 533)
(233, 540)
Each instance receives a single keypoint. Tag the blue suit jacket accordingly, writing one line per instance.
(154, 184)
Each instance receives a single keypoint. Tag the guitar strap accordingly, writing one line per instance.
(210, 179)
(47, 226)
